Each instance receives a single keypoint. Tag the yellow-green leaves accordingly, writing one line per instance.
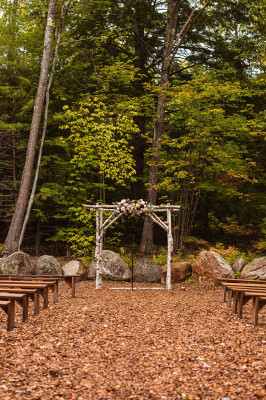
(101, 141)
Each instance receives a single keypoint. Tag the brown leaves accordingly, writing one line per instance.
(134, 345)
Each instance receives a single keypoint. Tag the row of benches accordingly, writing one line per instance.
(237, 294)
(21, 288)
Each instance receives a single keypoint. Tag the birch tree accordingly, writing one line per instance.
(12, 239)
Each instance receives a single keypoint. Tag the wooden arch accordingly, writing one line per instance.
(102, 225)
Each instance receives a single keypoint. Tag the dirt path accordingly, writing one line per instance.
(119, 344)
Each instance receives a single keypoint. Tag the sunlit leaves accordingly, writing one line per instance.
(100, 141)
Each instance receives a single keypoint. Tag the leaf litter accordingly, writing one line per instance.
(142, 344)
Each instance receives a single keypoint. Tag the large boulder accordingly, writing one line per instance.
(48, 265)
(238, 265)
(179, 272)
(114, 268)
(255, 270)
(209, 266)
(146, 271)
(74, 268)
(18, 263)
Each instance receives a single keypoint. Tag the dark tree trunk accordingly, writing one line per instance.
(171, 45)
(146, 245)
(12, 239)
(140, 58)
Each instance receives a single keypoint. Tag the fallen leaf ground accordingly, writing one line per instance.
(141, 344)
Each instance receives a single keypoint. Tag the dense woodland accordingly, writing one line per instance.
(152, 99)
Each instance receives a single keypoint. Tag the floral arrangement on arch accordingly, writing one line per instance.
(133, 207)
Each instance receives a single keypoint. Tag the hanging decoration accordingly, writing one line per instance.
(133, 208)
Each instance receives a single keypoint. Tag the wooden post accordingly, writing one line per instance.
(169, 249)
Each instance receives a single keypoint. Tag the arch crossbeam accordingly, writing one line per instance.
(102, 225)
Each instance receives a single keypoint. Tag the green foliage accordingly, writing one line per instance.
(161, 258)
(100, 141)
(211, 129)
(212, 158)
(231, 253)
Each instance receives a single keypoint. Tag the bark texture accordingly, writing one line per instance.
(45, 121)
(172, 43)
(12, 239)
(146, 245)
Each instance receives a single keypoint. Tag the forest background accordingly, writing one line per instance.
(101, 143)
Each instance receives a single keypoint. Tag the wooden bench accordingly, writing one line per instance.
(258, 302)
(237, 282)
(69, 279)
(33, 294)
(233, 290)
(52, 285)
(9, 308)
(21, 298)
(43, 288)
(241, 293)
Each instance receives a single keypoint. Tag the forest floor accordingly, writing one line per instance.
(141, 344)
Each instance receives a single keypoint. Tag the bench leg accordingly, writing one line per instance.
(56, 292)
(10, 315)
(44, 293)
(24, 303)
(45, 297)
(230, 298)
(73, 285)
(71, 282)
(235, 300)
(36, 299)
(240, 304)
(225, 291)
(255, 309)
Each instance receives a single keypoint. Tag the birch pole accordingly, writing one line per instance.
(169, 248)
(101, 248)
(97, 248)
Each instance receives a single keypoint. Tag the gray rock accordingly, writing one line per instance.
(179, 272)
(18, 263)
(114, 268)
(255, 270)
(238, 265)
(48, 265)
(146, 271)
(74, 268)
(209, 266)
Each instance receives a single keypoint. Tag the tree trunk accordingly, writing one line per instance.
(45, 120)
(12, 239)
(146, 245)
(140, 59)
(171, 44)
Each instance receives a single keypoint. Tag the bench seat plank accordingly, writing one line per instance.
(9, 308)
(21, 298)
(43, 289)
(69, 279)
(33, 294)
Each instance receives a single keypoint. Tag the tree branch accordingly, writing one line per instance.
(188, 28)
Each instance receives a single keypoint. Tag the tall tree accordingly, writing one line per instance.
(64, 9)
(172, 44)
(12, 239)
